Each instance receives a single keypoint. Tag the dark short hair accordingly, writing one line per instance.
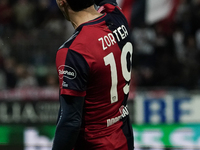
(78, 5)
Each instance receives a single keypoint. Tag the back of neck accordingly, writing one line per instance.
(80, 17)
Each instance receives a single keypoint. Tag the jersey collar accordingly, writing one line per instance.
(91, 22)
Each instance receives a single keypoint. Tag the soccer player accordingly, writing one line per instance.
(94, 68)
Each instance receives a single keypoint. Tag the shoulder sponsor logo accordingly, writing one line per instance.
(67, 72)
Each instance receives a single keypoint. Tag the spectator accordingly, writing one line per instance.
(178, 38)
(191, 66)
(9, 68)
(144, 39)
(25, 78)
(5, 15)
(52, 81)
(2, 73)
(2, 80)
(42, 13)
(197, 35)
(196, 15)
(23, 13)
(183, 17)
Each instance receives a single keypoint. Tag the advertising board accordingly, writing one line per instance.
(168, 108)
(186, 136)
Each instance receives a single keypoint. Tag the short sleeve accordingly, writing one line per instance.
(73, 71)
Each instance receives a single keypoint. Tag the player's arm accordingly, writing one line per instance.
(69, 122)
(102, 2)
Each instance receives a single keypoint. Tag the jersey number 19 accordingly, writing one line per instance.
(126, 72)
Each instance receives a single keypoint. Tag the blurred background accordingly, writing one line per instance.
(164, 97)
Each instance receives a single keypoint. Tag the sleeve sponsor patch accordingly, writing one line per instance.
(66, 72)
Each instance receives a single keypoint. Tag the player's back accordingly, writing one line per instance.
(108, 52)
(95, 63)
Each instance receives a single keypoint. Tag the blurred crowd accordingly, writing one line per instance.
(31, 31)
(167, 53)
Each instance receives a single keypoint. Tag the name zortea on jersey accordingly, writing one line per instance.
(109, 39)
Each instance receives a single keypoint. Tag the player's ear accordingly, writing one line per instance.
(61, 2)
